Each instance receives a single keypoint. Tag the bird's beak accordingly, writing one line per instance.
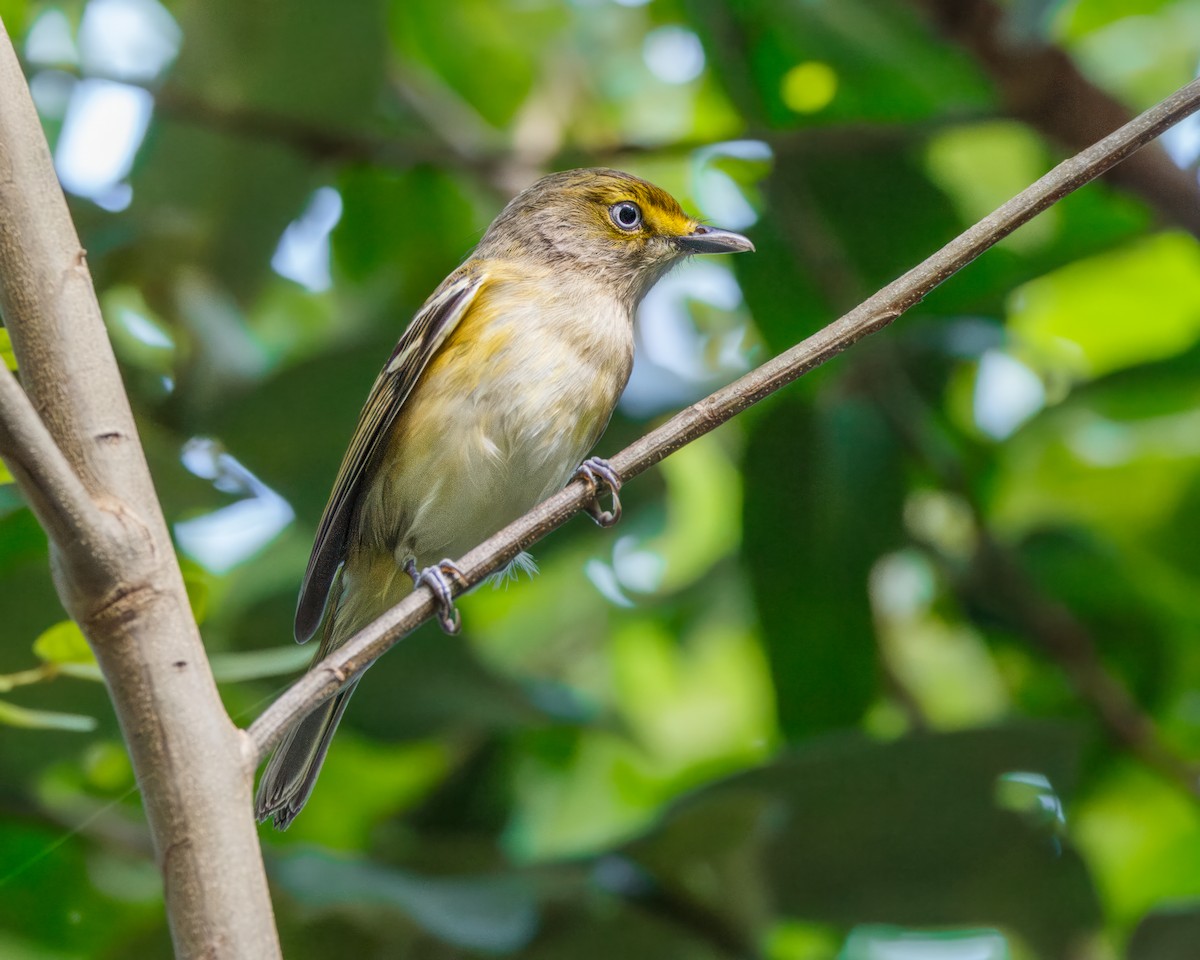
(711, 240)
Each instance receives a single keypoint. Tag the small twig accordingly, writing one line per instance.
(871, 316)
(49, 483)
(25, 678)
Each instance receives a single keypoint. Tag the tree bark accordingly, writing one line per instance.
(70, 441)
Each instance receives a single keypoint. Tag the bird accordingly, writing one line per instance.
(500, 385)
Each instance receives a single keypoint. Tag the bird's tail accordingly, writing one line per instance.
(292, 771)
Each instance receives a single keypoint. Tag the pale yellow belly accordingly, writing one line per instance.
(479, 444)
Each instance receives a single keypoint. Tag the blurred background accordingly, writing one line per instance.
(902, 664)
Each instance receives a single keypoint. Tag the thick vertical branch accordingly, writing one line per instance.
(122, 584)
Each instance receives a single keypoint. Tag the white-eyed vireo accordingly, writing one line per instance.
(501, 384)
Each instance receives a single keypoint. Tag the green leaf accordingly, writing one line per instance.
(1153, 389)
(63, 643)
(259, 664)
(291, 431)
(824, 236)
(1077, 20)
(198, 583)
(1078, 319)
(14, 716)
(6, 350)
(848, 831)
(492, 913)
(873, 941)
(823, 503)
(230, 196)
(367, 244)
(980, 166)
(1170, 934)
(586, 925)
(884, 63)
(1098, 584)
(451, 40)
(13, 14)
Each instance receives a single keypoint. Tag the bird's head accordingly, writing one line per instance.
(610, 225)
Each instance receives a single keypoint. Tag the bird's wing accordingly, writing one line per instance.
(416, 347)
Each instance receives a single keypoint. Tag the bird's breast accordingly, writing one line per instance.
(503, 414)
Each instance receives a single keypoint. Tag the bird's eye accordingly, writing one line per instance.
(626, 215)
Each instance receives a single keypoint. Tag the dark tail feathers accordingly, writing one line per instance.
(292, 771)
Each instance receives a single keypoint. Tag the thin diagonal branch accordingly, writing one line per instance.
(1040, 84)
(871, 316)
(48, 482)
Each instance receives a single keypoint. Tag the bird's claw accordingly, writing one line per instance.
(435, 577)
(597, 473)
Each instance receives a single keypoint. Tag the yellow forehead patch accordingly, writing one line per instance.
(660, 211)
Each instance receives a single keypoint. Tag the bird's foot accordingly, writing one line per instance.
(437, 578)
(598, 473)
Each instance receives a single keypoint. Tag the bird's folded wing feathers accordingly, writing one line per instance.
(416, 347)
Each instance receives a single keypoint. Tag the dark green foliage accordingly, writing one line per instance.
(879, 663)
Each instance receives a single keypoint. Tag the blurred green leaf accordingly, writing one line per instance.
(823, 495)
(63, 643)
(494, 914)
(107, 767)
(592, 927)
(1081, 318)
(384, 237)
(982, 166)
(655, 660)
(362, 784)
(432, 682)
(870, 942)
(230, 197)
(1157, 388)
(6, 350)
(14, 716)
(1091, 579)
(1166, 935)
(22, 540)
(848, 831)
(258, 664)
(881, 56)
(13, 14)
(1142, 836)
(857, 193)
(293, 430)
(703, 510)
(1080, 19)
(50, 899)
(1070, 465)
(451, 42)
